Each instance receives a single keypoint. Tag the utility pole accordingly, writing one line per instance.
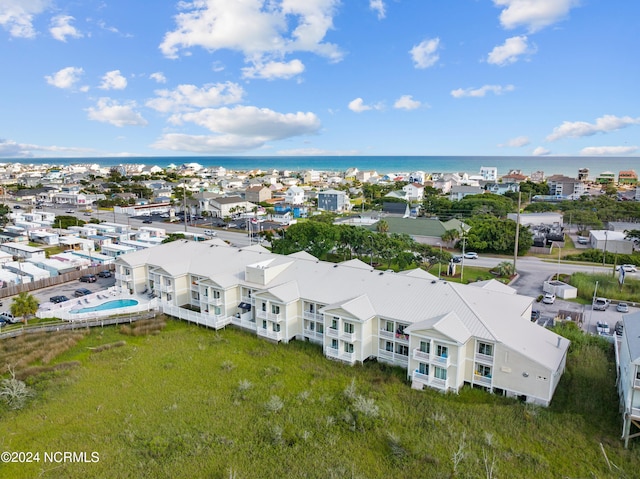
(184, 205)
(515, 249)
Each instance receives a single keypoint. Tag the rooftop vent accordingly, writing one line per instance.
(335, 265)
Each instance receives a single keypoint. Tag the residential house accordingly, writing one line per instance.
(311, 176)
(627, 177)
(628, 358)
(606, 177)
(257, 194)
(414, 192)
(333, 200)
(489, 173)
(458, 192)
(443, 334)
(294, 195)
(228, 205)
(502, 188)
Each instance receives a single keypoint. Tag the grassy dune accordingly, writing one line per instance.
(189, 402)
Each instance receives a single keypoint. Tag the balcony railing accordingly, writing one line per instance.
(422, 378)
(244, 323)
(332, 353)
(440, 360)
(438, 383)
(402, 338)
(417, 354)
(249, 300)
(261, 314)
(123, 277)
(636, 383)
(310, 333)
(266, 333)
(332, 333)
(386, 334)
(635, 412)
(312, 316)
(215, 301)
(349, 337)
(393, 357)
(484, 358)
(275, 317)
(484, 380)
(348, 357)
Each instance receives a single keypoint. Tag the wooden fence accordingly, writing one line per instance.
(14, 289)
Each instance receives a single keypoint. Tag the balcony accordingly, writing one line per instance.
(266, 333)
(275, 317)
(332, 353)
(244, 323)
(635, 413)
(312, 316)
(392, 357)
(348, 357)
(402, 338)
(420, 355)
(419, 377)
(215, 301)
(348, 337)
(386, 334)
(438, 383)
(636, 384)
(312, 334)
(261, 314)
(482, 380)
(249, 300)
(332, 333)
(442, 361)
(483, 358)
(123, 277)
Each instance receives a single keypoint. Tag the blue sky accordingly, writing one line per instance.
(98, 78)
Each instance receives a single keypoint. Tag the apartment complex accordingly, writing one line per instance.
(444, 334)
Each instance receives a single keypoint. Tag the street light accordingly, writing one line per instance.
(439, 260)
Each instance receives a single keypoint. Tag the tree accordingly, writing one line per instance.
(24, 305)
(450, 235)
(316, 238)
(382, 226)
(496, 235)
(505, 268)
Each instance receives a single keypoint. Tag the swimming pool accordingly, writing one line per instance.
(118, 303)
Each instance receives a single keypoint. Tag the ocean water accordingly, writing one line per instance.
(382, 164)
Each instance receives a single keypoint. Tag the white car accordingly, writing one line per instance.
(602, 327)
(471, 255)
(549, 298)
(628, 268)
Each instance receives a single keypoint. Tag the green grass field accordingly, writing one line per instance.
(188, 402)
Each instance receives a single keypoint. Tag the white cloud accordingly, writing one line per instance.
(482, 91)
(158, 77)
(534, 14)
(16, 16)
(516, 142)
(406, 102)
(608, 150)
(603, 124)
(110, 111)
(12, 149)
(540, 151)
(379, 7)
(263, 30)
(358, 106)
(65, 78)
(61, 28)
(273, 70)
(509, 51)
(425, 54)
(188, 97)
(113, 80)
(238, 129)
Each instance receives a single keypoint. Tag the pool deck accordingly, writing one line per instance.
(64, 310)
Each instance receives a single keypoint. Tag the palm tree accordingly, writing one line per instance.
(505, 268)
(382, 226)
(24, 305)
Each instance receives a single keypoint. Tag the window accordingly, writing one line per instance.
(402, 349)
(334, 344)
(312, 326)
(275, 309)
(311, 308)
(276, 327)
(195, 295)
(264, 306)
(425, 346)
(486, 349)
(334, 323)
(348, 347)
(348, 328)
(484, 371)
(423, 369)
(216, 295)
(264, 324)
(217, 311)
(167, 281)
(388, 346)
(168, 297)
(442, 351)
(320, 328)
(389, 326)
(206, 292)
(440, 373)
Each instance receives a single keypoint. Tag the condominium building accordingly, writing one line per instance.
(444, 334)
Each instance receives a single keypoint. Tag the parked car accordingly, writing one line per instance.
(81, 292)
(628, 268)
(471, 255)
(58, 299)
(549, 298)
(17, 207)
(88, 278)
(583, 240)
(622, 308)
(105, 274)
(70, 211)
(600, 304)
(535, 315)
(7, 317)
(147, 221)
(210, 233)
(87, 213)
(619, 328)
(457, 259)
(602, 327)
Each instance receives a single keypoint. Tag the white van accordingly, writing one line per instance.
(210, 233)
